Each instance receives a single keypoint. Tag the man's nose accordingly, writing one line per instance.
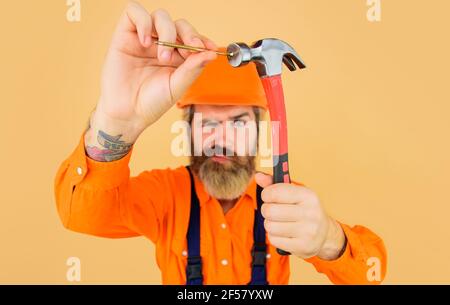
(223, 135)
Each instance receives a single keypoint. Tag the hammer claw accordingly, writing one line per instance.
(289, 63)
(293, 57)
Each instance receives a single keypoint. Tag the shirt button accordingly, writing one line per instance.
(79, 170)
(184, 253)
(224, 262)
(268, 255)
(223, 226)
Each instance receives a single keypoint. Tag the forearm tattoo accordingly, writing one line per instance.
(112, 148)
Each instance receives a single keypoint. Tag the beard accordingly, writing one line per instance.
(224, 181)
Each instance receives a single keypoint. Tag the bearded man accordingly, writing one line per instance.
(215, 221)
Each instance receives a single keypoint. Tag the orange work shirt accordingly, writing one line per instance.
(101, 199)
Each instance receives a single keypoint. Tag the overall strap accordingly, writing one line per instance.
(259, 249)
(194, 274)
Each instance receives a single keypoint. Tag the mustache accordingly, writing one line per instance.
(218, 150)
(237, 162)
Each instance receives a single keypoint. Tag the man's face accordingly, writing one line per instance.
(228, 144)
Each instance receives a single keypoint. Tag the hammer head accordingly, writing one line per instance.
(268, 55)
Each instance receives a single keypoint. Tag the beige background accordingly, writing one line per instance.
(368, 126)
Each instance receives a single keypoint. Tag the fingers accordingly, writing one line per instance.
(159, 25)
(294, 245)
(187, 72)
(188, 35)
(183, 77)
(209, 44)
(166, 31)
(281, 229)
(285, 212)
(263, 180)
(287, 193)
(284, 243)
(136, 19)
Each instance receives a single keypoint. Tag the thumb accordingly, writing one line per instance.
(183, 77)
(263, 180)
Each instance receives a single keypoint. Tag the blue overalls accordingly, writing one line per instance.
(194, 261)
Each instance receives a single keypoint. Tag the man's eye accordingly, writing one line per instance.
(210, 124)
(239, 123)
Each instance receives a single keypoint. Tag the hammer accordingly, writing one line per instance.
(268, 56)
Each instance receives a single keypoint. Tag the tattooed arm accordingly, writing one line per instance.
(107, 140)
(112, 148)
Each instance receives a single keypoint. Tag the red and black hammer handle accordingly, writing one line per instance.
(275, 98)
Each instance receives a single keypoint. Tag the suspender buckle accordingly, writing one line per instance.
(259, 254)
(194, 268)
